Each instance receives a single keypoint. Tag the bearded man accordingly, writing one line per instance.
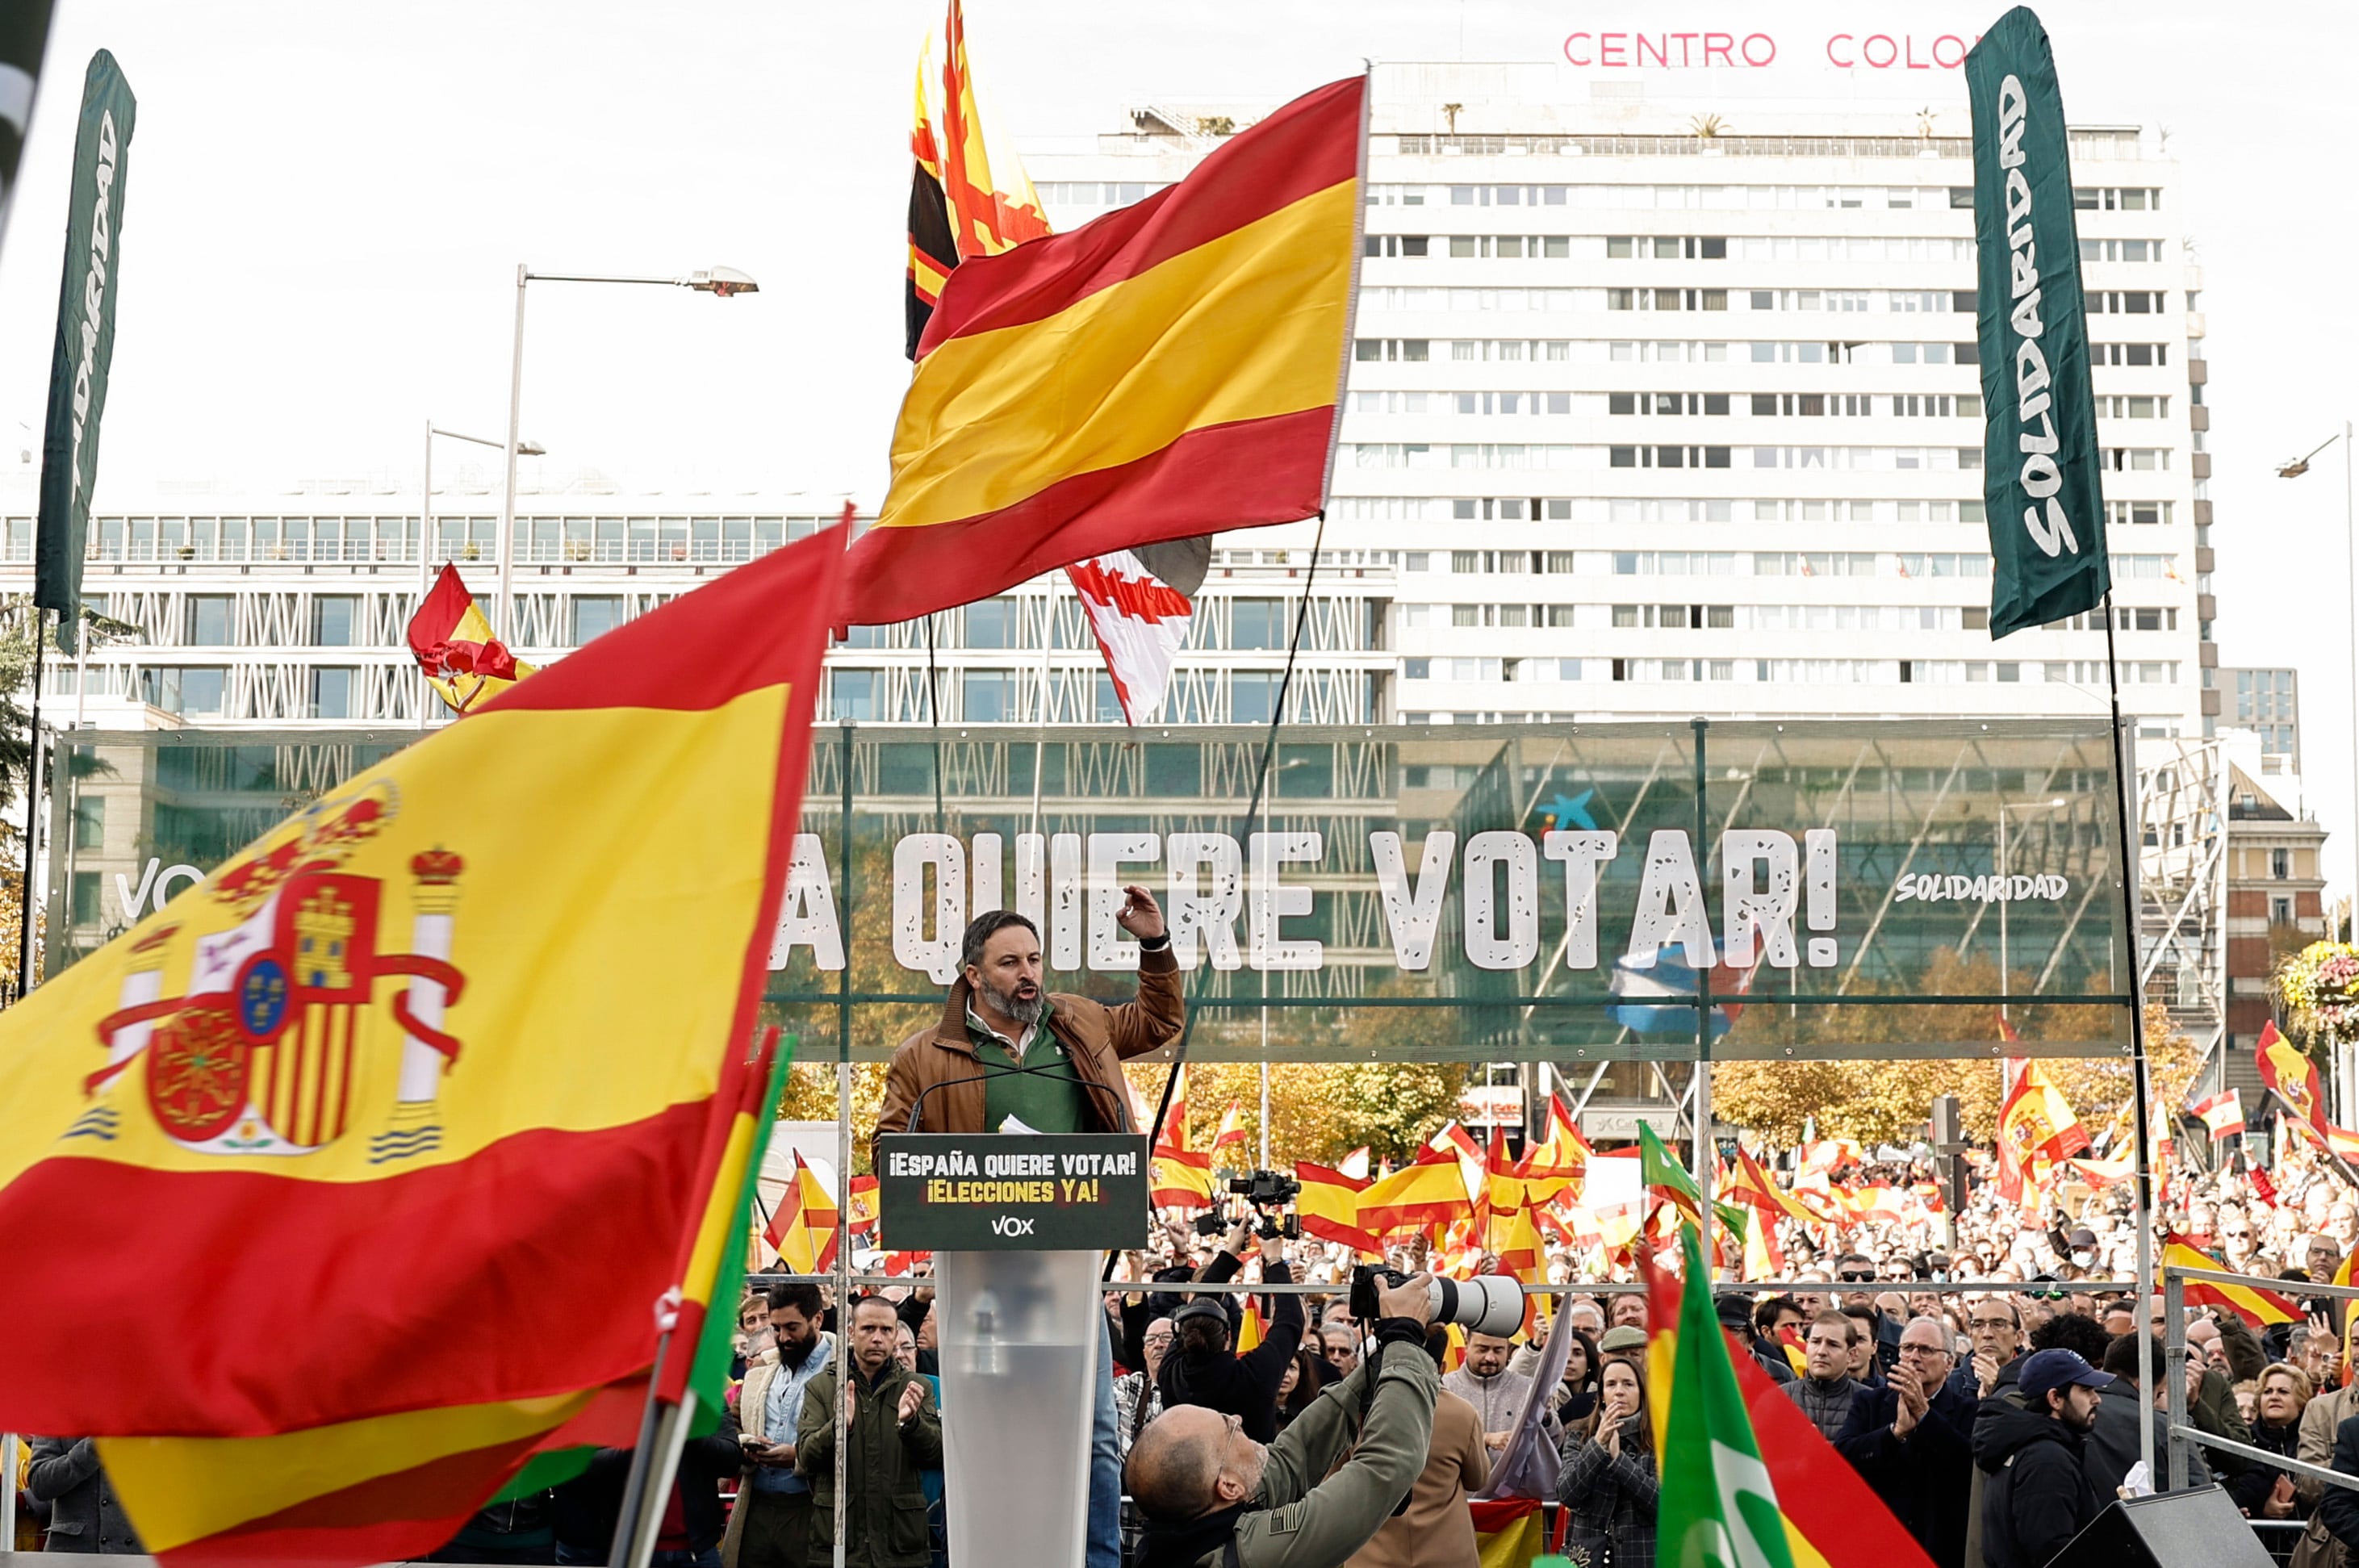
(1008, 1056)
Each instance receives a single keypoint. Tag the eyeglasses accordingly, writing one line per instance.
(1849, 1278)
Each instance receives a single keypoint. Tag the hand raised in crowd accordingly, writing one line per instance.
(1905, 1382)
(1241, 1235)
(1273, 1250)
(2194, 1378)
(1986, 1371)
(913, 1400)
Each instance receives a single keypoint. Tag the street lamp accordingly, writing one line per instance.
(426, 511)
(720, 282)
(2295, 470)
(2004, 808)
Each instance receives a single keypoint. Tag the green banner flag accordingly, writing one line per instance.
(86, 346)
(1718, 1507)
(2039, 466)
(1660, 1172)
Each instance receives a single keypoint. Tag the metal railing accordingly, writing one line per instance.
(2183, 1435)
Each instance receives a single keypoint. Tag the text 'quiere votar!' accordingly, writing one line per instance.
(1070, 887)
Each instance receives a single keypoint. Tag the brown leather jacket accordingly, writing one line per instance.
(1098, 1037)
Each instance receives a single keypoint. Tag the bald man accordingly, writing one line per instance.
(1205, 1487)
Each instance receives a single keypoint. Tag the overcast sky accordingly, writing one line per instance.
(327, 203)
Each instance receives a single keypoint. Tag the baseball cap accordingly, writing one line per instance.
(2043, 1370)
(1200, 1307)
(1733, 1311)
(2084, 1236)
(1622, 1337)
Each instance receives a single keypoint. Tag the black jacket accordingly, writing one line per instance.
(2037, 1497)
(586, 1508)
(1924, 1478)
(2250, 1491)
(2340, 1504)
(1243, 1386)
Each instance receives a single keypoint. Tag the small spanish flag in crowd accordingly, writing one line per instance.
(802, 1230)
(2223, 1115)
(455, 649)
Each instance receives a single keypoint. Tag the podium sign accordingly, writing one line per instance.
(1011, 1191)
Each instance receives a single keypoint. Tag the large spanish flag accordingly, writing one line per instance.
(1173, 367)
(2286, 1070)
(468, 1035)
(2255, 1306)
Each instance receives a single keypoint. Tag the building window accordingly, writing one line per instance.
(332, 691)
(335, 620)
(186, 691)
(1258, 623)
(1253, 697)
(595, 615)
(211, 620)
(2280, 911)
(987, 696)
(88, 822)
(85, 911)
(2280, 865)
(994, 623)
(856, 694)
(1105, 702)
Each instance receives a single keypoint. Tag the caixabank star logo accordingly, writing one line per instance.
(264, 1047)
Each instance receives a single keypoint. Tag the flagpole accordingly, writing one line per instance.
(1047, 675)
(934, 718)
(32, 809)
(844, 1163)
(626, 1524)
(2126, 806)
(1700, 1149)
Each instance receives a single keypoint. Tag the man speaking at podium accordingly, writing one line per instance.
(1008, 1056)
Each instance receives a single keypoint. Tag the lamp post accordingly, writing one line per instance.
(720, 282)
(2004, 808)
(426, 513)
(2295, 470)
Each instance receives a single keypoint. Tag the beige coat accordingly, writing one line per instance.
(1436, 1529)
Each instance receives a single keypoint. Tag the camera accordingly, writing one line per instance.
(1488, 1303)
(1265, 1188)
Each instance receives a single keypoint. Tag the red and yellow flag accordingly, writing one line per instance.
(863, 1198)
(1562, 1153)
(1172, 367)
(1231, 1129)
(2255, 1306)
(1428, 1192)
(960, 205)
(1508, 1531)
(802, 1229)
(2223, 1115)
(1329, 1207)
(1178, 1176)
(417, 1032)
(455, 649)
(2288, 1071)
(2036, 1123)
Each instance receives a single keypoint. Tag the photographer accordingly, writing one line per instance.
(1203, 1369)
(1215, 1498)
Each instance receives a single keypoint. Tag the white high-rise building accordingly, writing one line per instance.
(1657, 408)
(1653, 415)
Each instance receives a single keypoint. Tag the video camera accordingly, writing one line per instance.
(1488, 1303)
(1262, 1190)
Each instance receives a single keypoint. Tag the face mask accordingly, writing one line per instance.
(2082, 1259)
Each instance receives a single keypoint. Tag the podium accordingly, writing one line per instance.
(1018, 1224)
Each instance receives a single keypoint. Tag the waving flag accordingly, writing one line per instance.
(864, 1206)
(1717, 1502)
(1170, 368)
(387, 1040)
(1231, 1129)
(960, 205)
(2036, 1124)
(1178, 1177)
(803, 1229)
(1140, 622)
(2255, 1306)
(455, 649)
(1430, 1190)
(1561, 1152)
(1329, 1205)
(2292, 1075)
(2223, 1115)
(1764, 1454)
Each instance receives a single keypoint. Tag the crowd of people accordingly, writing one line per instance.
(1978, 1369)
